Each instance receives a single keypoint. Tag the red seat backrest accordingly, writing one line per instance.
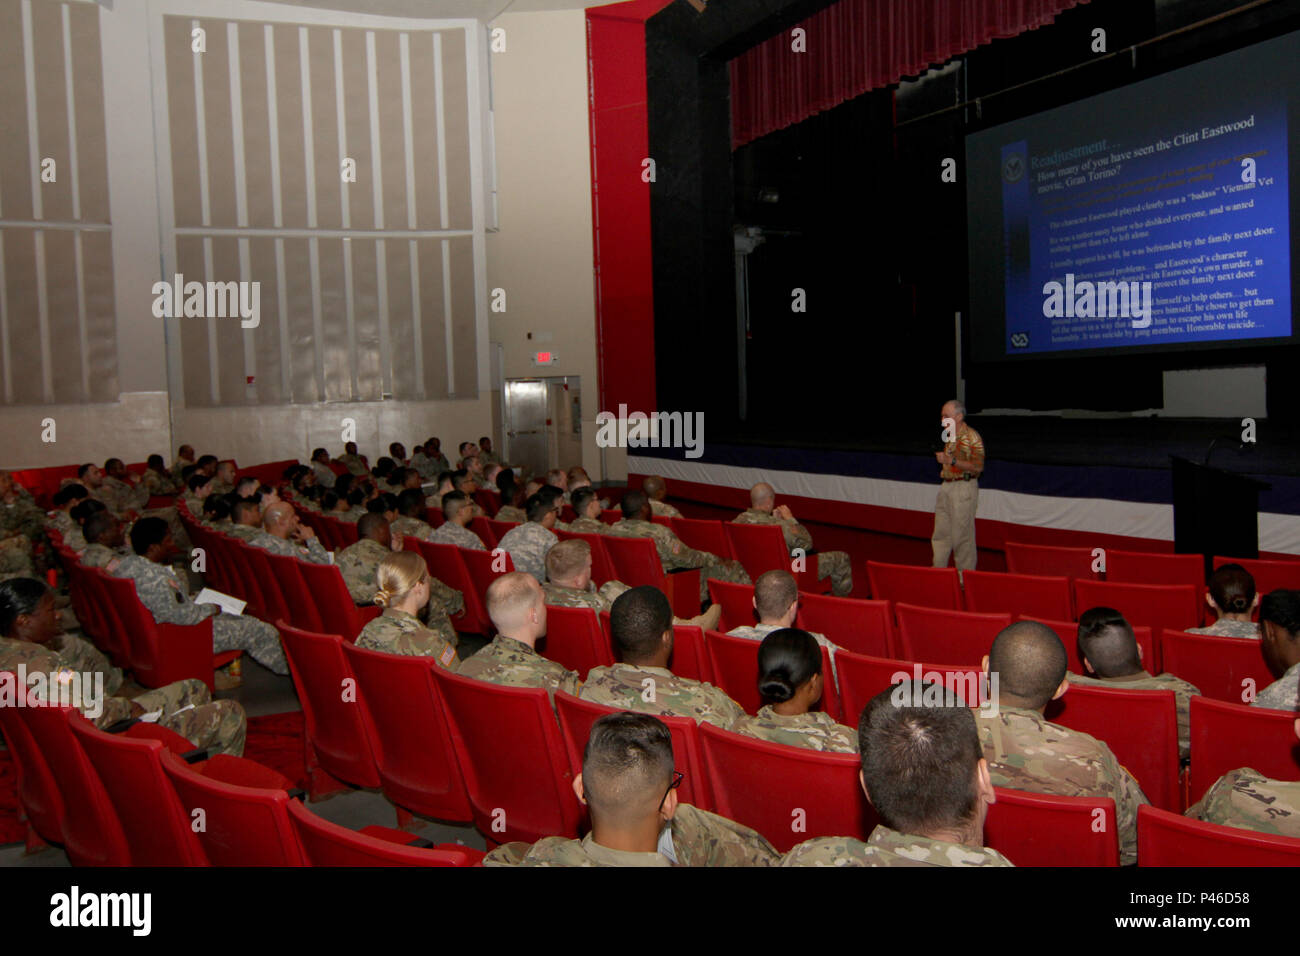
(499, 528)
(275, 605)
(1139, 726)
(486, 531)
(336, 733)
(636, 561)
(112, 635)
(1269, 575)
(1051, 559)
(864, 627)
(512, 756)
(1147, 567)
(155, 825)
(92, 834)
(602, 567)
(245, 582)
(758, 547)
(862, 677)
(1220, 667)
(38, 793)
(737, 602)
(338, 614)
(242, 826)
(345, 532)
(931, 634)
(1171, 839)
(484, 567)
(161, 653)
(611, 515)
(788, 794)
(488, 500)
(418, 771)
(1039, 829)
(703, 535)
(690, 658)
(301, 603)
(577, 716)
(1228, 737)
(911, 584)
(1029, 594)
(575, 639)
(328, 844)
(445, 564)
(733, 664)
(1154, 605)
(1068, 632)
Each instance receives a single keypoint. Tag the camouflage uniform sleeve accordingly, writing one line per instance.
(508, 854)
(796, 536)
(728, 710)
(1128, 797)
(316, 552)
(706, 839)
(115, 709)
(161, 600)
(85, 657)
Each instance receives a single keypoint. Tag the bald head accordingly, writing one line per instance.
(654, 487)
(517, 607)
(1030, 662)
(279, 519)
(762, 496)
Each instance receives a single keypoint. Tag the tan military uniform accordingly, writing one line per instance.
(244, 532)
(756, 632)
(954, 510)
(355, 464)
(312, 551)
(674, 555)
(1226, 628)
(527, 546)
(1183, 694)
(886, 847)
(412, 527)
(511, 513)
(830, 564)
(451, 533)
(100, 556)
(1027, 752)
(1282, 693)
(658, 691)
(160, 483)
(1246, 798)
(662, 509)
(694, 837)
(397, 632)
(513, 663)
(68, 529)
(220, 487)
(601, 599)
(218, 726)
(120, 497)
(814, 730)
(587, 526)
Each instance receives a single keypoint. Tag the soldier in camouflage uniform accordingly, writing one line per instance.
(790, 681)
(354, 463)
(923, 771)
(106, 542)
(1026, 752)
(642, 624)
(763, 509)
(157, 480)
(444, 486)
(21, 525)
(629, 784)
(515, 605)
(588, 509)
(283, 534)
(184, 458)
(121, 491)
(527, 544)
(223, 483)
(30, 627)
(1246, 798)
(403, 592)
(245, 520)
(359, 563)
(673, 553)
(164, 595)
(455, 529)
(60, 519)
(1279, 623)
(1111, 656)
(776, 601)
(656, 490)
(410, 505)
(1233, 599)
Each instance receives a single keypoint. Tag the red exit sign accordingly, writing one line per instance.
(544, 358)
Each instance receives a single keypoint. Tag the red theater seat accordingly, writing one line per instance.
(38, 794)
(499, 530)
(737, 602)
(1170, 839)
(577, 716)
(483, 568)
(602, 568)
(1228, 737)
(328, 844)
(575, 639)
(418, 771)
(1153, 605)
(788, 794)
(1139, 726)
(913, 584)
(1220, 667)
(1038, 829)
(926, 633)
(334, 604)
(163, 653)
(734, 666)
(512, 756)
(761, 548)
(304, 610)
(1051, 560)
(1268, 575)
(1068, 632)
(864, 627)
(1030, 595)
(707, 536)
(862, 678)
(1144, 567)
(446, 564)
(636, 562)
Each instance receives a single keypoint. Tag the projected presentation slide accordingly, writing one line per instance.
(1154, 215)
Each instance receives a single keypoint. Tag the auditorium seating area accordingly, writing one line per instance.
(468, 753)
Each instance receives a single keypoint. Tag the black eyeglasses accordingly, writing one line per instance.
(678, 777)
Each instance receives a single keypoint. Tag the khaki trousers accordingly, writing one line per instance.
(954, 524)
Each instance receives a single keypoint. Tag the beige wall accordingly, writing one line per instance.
(542, 255)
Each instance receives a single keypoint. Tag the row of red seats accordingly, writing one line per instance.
(494, 756)
(145, 798)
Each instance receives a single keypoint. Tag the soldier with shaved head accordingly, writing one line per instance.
(763, 509)
(656, 489)
(283, 534)
(517, 609)
(1027, 752)
(629, 785)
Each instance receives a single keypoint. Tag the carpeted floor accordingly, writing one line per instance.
(274, 740)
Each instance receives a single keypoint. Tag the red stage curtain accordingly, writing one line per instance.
(859, 45)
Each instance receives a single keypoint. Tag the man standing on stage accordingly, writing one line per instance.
(962, 459)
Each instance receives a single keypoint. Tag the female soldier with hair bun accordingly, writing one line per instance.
(404, 586)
